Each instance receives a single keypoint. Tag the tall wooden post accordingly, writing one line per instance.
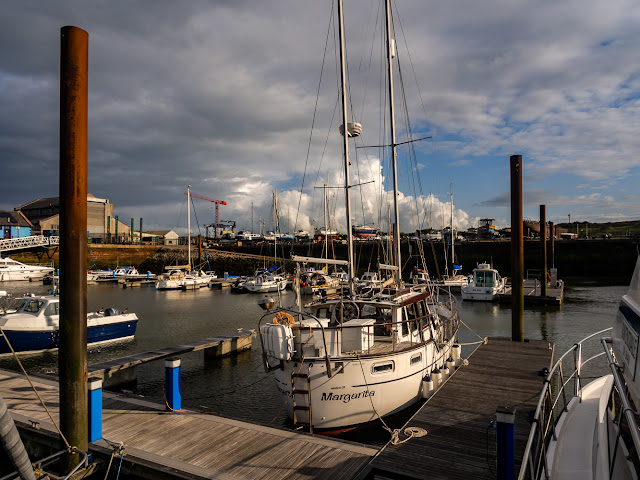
(72, 355)
(543, 250)
(552, 246)
(517, 251)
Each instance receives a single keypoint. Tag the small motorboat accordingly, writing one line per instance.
(31, 324)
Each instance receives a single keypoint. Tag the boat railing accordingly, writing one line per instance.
(300, 315)
(561, 385)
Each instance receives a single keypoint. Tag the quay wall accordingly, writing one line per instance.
(603, 261)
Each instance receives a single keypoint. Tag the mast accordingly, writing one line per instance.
(326, 229)
(189, 225)
(396, 229)
(345, 143)
(453, 258)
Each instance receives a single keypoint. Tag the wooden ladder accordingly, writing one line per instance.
(304, 393)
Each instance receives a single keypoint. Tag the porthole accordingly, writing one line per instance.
(385, 367)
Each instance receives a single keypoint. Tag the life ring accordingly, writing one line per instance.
(283, 318)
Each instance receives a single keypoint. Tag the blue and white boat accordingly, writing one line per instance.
(33, 325)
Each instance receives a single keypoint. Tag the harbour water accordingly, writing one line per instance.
(237, 386)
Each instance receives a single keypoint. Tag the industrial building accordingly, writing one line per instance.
(102, 225)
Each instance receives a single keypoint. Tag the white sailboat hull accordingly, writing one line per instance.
(355, 395)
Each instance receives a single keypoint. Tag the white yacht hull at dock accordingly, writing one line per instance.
(13, 271)
(266, 285)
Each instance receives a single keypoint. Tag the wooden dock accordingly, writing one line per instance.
(460, 443)
(533, 294)
(186, 444)
(124, 369)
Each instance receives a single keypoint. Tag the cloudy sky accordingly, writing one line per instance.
(227, 96)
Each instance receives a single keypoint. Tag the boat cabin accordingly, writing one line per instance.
(485, 276)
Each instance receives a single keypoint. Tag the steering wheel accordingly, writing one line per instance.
(347, 310)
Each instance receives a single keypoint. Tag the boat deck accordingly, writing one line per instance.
(190, 445)
(460, 444)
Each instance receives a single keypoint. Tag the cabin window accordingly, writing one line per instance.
(484, 278)
(420, 309)
(52, 309)
(368, 311)
(416, 359)
(33, 307)
(382, 367)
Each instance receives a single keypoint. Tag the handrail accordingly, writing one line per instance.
(628, 411)
(29, 242)
(531, 461)
(304, 314)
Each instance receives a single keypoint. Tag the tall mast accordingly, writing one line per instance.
(326, 228)
(396, 230)
(453, 258)
(343, 81)
(189, 224)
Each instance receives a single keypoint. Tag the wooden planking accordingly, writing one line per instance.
(459, 443)
(138, 358)
(532, 294)
(199, 445)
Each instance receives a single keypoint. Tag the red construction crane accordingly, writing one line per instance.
(217, 202)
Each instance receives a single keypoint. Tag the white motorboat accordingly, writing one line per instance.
(265, 283)
(172, 279)
(198, 278)
(93, 275)
(11, 270)
(351, 359)
(32, 325)
(486, 285)
(131, 273)
(590, 430)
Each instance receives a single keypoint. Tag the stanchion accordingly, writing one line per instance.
(505, 442)
(172, 384)
(94, 390)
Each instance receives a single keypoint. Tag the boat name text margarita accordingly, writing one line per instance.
(347, 397)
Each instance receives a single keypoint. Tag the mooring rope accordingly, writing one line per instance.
(69, 447)
(410, 432)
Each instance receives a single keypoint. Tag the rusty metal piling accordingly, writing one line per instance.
(72, 356)
(517, 251)
(552, 245)
(543, 250)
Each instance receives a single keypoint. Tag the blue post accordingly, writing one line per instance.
(94, 390)
(505, 442)
(172, 383)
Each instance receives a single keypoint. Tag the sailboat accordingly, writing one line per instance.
(453, 280)
(352, 359)
(267, 280)
(184, 277)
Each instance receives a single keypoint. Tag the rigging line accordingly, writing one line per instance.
(433, 143)
(15, 355)
(195, 214)
(315, 111)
